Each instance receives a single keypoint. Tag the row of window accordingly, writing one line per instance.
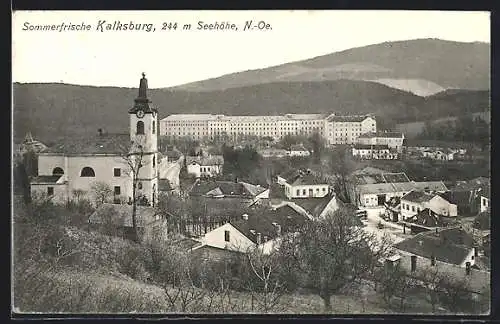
(116, 189)
(311, 191)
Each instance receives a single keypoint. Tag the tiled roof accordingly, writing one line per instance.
(46, 179)
(187, 243)
(261, 221)
(389, 134)
(396, 177)
(457, 197)
(429, 185)
(226, 188)
(314, 206)
(418, 196)
(99, 144)
(375, 188)
(347, 118)
(429, 218)
(370, 147)
(448, 245)
(121, 215)
(206, 160)
(302, 177)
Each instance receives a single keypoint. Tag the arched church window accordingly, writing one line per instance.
(140, 128)
(57, 171)
(154, 161)
(139, 185)
(154, 127)
(87, 172)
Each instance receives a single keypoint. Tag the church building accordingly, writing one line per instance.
(74, 169)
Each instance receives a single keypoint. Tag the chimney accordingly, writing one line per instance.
(266, 238)
(244, 216)
(278, 229)
(99, 131)
(259, 238)
(236, 179)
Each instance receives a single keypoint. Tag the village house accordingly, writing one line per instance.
(204, 166)
(440, 154)
(466, 194)
(374, 152)
(298, 150)
(393, 140)
(415, 201)
(428, 220)
(450, 251)
(303, 184)
(273, 153)
(261, 228)
(229, 189)
(72, 167)
(117, 219)
(377, 194)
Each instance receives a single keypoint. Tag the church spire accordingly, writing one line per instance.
(142, 101)
(143, 87)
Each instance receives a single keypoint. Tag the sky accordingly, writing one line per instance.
(174, 57)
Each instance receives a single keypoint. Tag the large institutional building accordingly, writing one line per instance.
(335, 129)
(71, 169)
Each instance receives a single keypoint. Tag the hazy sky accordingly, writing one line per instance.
(116, 58)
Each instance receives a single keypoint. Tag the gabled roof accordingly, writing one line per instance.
(261, 221)
(206, 160)
(429, 218)
(46, 179)
(458, 198)
(314, 206)
(386, 134)
(448, 245)
(121, 215)
(99, 144)
(226, 188)
(302, 177)
(418, 196)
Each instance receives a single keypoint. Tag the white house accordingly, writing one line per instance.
(303, 184)
(298, 150)
(374, 152)
(415, 201)
(377, 194)
(204, 166)
(393, 140)
(440, 154)
(107, 158)
(261, 228)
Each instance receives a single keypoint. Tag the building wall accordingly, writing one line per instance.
(371, 199)
(41, 190)
(436, 204)
(317, 191)
(237, 241)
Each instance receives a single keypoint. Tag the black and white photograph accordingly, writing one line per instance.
(330, 162)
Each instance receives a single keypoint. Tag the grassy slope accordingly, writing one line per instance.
(96, 285)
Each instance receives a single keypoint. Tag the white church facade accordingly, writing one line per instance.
(72, 169)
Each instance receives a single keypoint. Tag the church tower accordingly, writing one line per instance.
(144, 138)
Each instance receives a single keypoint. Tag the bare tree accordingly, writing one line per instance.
(134, 159)
(433, 282)
(263, 280)
(339, 166)
(101, 192)
(333, 252)
(456, 294)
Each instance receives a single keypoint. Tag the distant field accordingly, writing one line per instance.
(413, 129)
